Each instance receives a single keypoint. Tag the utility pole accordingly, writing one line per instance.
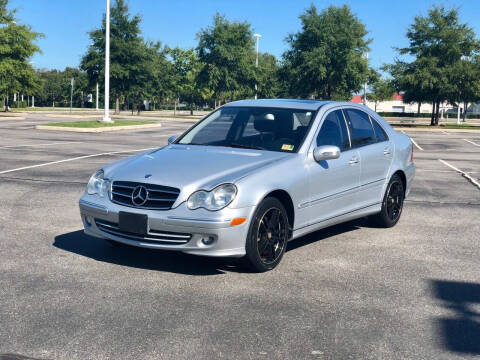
(96, 101)
(257, 36)
(365, 85)
(71, 94)
(106, 106)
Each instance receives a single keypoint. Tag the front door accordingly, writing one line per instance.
(333, 183)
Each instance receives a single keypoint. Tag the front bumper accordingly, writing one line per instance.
(228, 241)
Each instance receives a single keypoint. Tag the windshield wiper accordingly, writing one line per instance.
(244, 146)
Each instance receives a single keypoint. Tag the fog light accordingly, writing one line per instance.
(88, 221)
(208, 240)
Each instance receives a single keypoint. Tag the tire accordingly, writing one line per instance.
(267, 236)
(392, 204)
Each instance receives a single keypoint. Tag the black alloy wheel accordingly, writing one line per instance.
(392, 204)
(394, 200)
(271, 232)
(267, 237)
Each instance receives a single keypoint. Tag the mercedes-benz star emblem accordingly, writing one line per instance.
(139, 195)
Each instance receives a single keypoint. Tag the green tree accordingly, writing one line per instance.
(227, 51)
(52, 87)
(437, 43)
(160, 81)
(464, 75)
(267, 76)
(129, 55)
(325, 59)
(16, 48)
(382, 89)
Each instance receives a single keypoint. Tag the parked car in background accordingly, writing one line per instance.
(250, 177)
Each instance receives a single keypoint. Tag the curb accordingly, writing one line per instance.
(11, 118)
(72, 116)
(412, 128)
(97, 130)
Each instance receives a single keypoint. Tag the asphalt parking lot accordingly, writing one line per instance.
(347, 292)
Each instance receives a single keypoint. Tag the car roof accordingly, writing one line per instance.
(282, 103)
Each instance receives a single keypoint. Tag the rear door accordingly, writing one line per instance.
(333, 183)
(375, 150)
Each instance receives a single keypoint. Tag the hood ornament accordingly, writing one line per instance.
(147, 176)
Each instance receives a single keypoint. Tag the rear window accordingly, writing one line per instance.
(379, 132)
(361, 130)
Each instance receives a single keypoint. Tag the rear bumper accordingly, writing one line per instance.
(228, 241)
(410, 174)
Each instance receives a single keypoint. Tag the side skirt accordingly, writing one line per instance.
(365, 211)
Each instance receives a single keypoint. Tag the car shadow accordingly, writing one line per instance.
(150, 259)
(459, 332)
(172, 261)
(328, 232)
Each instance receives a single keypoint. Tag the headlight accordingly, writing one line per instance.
(97, 184)
(213, 200)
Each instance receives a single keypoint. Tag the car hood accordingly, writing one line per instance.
(191, 168)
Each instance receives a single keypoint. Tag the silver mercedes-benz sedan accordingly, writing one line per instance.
(251, 176)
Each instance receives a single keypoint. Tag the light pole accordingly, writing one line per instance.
(365, 84)
(33, 96)
(71, 94)
(96, 101)
(257, 36)
(106, 115)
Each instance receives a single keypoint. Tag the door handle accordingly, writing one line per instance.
(386, 151)
(353, 160)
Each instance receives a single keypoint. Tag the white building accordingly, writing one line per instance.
(397, 105)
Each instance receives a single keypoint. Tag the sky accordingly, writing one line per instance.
(66, 23)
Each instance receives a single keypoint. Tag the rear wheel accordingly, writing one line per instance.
(267, 237)
(392, 204)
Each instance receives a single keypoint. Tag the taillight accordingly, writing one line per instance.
(411, 155)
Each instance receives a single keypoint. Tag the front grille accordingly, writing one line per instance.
(158, 197)
(153, 236)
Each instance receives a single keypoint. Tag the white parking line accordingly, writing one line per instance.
(471, 142)
(73, 159)
(414, 143)
(34, 145)
(464, 174)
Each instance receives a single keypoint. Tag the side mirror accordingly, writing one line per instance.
(171, 139)
(326, 152)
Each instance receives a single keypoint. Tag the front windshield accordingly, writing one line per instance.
(253, 128)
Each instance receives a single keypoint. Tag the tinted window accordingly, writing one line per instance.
(379, 132)
(252, 127)
(334, 131)
(361, 130)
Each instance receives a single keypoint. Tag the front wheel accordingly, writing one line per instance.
(267, 237)
(392, 204)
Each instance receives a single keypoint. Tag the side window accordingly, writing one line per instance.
(334, 131)
(379, 132)
(361, 130)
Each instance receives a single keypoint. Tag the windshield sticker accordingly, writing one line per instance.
(287, 147)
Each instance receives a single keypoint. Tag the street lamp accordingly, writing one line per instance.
(365, 84)
(257, 36)
(106, 115)
(71, 93)
(33, 96)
